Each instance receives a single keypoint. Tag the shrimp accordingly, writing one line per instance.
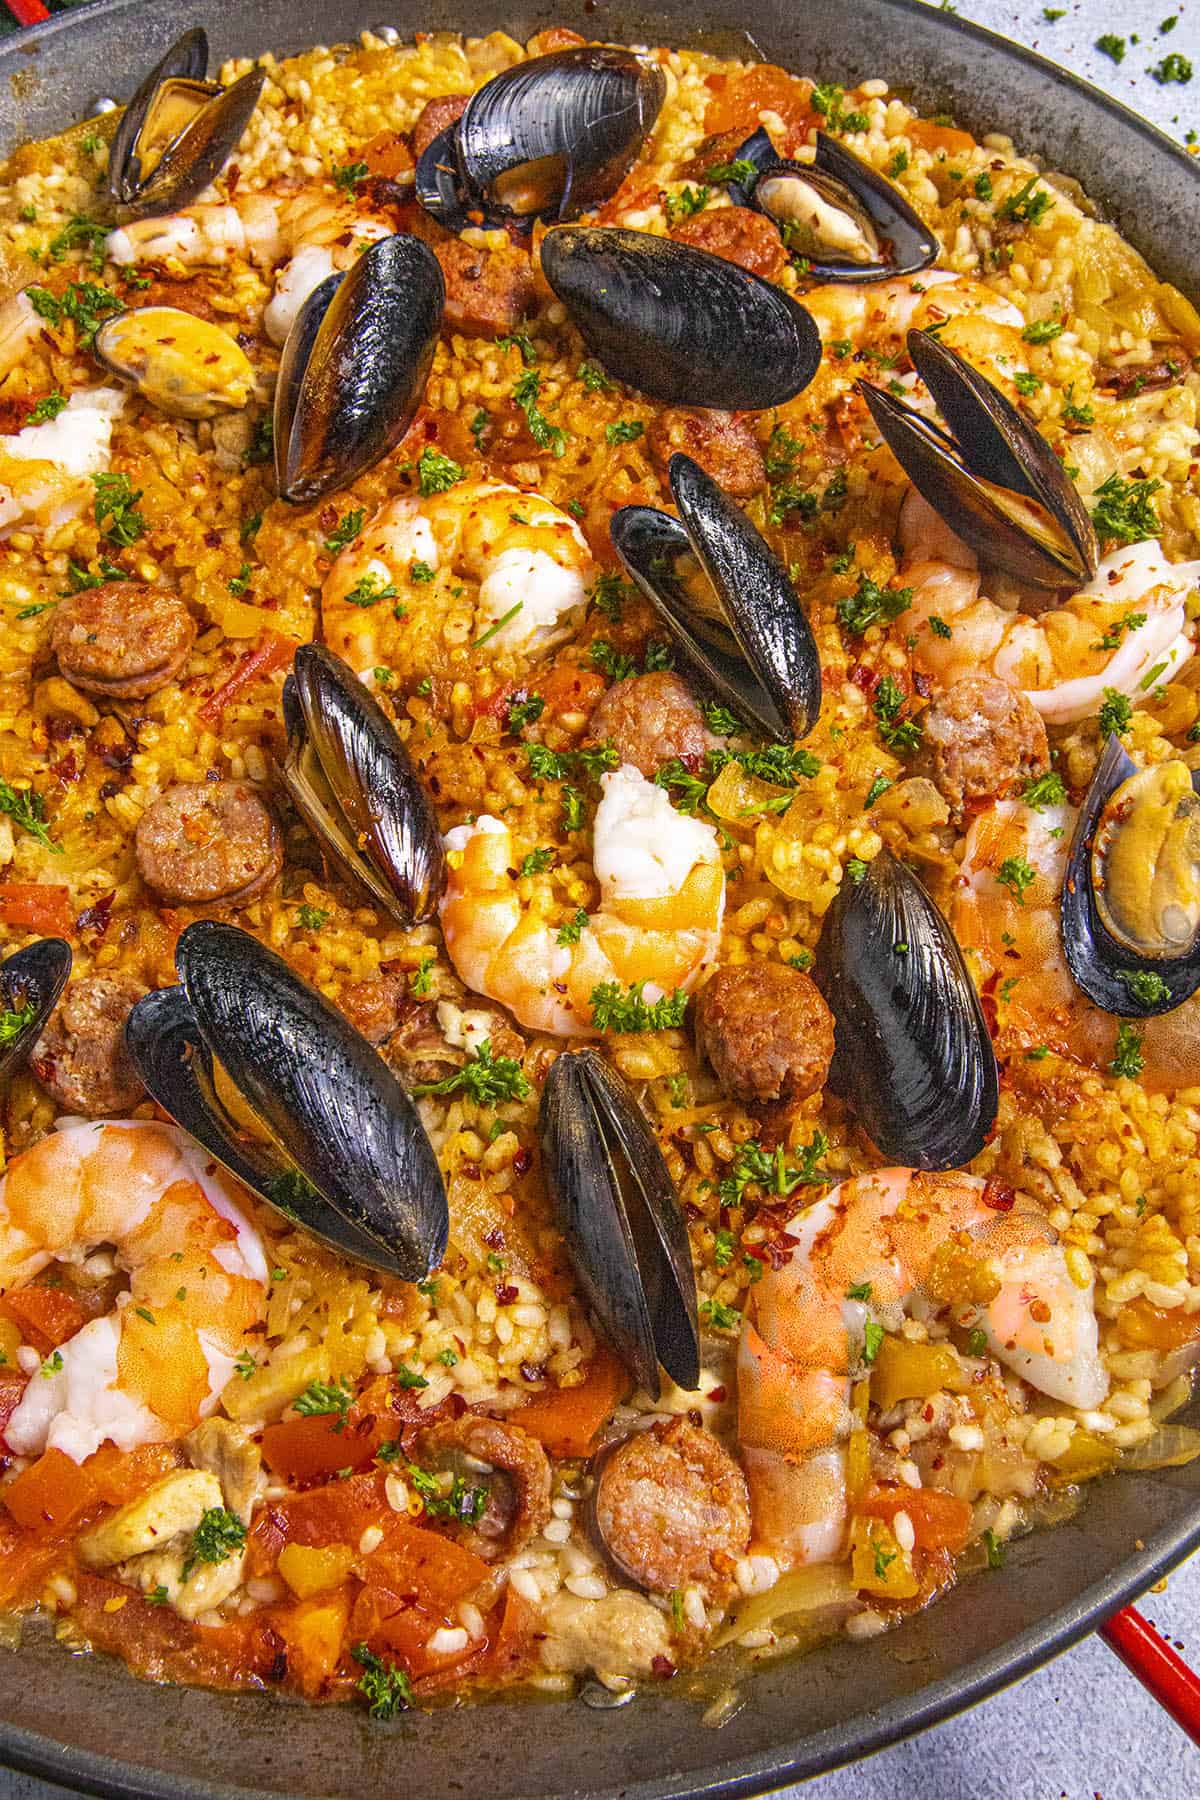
(1017, 940)
(46, 470)
(483, 564)
(151, 1369)
(878, 1242)
(1127, 629)
(310, 231)
(662, 895)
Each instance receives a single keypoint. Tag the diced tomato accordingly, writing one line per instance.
(738, 102)
(116, 1476)
(50, 1494)
(271, 653)
(512, 1649)
(388, 155)
(1162, 1328)
(940, 1521)
(416, 1561)
(306, 1449)
(25, 1562)
(47, 1316)
(567, 1421)
(37, 906)
(312, 1632)
(929, 136)
(337, 1513)
(567, 688)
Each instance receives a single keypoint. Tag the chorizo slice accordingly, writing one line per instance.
(202, 842)
(433, 119)
(767, 1032)
(984, 741)
(740, 236)
(650, 719)
(488, 292)
(123, 640)
(672, 1508)
(517, 1479)
(724, 446)
(81, 1057)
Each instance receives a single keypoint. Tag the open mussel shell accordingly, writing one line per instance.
(678, 323)
(544, 139)
(352, 779)
(31, 981)
(742, 630)
(1130, 903)
(322, 1093)
(354, 367)
(182, 133)
(621, 1219)
(187, 367)
(185, 60)
(992, 477)
(913, 1056)
(842, 216)
(175, 1066)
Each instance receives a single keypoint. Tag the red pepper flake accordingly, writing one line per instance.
(663, 1667)
(521, 1162)
(999, 1196)
(506, 1294)
(271, 653)
(96, 916)
(716, 1394)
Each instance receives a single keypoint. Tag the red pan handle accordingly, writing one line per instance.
(27, 12)
(1157, 1667)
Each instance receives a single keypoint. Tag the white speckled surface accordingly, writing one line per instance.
(1081, 1729)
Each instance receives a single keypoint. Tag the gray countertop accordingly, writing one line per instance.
(1081, 1729)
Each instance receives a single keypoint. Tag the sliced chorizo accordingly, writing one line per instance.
(767, 1032)
(488, 292)
(123, 640)
(81, 1057)
(740, 236)
(724, 446)
(517, 1479)
(650, 719)
(433, 119)
(984, 741)
(672, 1508)
(202, 842)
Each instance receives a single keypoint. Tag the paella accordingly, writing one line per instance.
(599, 864)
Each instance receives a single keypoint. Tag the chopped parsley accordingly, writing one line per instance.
(348, 176)
(12, 1024)
(545, 435)
(1044, 790)
(593, 378)
(609, 594)
(487, 1078)
(52, 1364)
(345, 532)
(249, 528)
(26, 808)
(939, 627)
(613, 663)
(420, 572)
(246, 1366)
(829, 101)
(572, 808)
(462, 1503)
(740, 170)
(861, 1292)
(436, 473)
(386, 1689)
(518, 340)
(1029, 205)
(898, 163)
(158, 1596)
(898, 733)
(409, 1378)
(883, 1558)
(689, 200)
(538, 861)
(419, 978)
(321, 1397)
(994, 1549)
(116, 511)
(85, 303)
(1025, 382)
(310, 918)
(624, 431)
(1172, 68)
(1016, 875)
(876, 791)
(720, 721)
(570, 932)
(1115, 713)
(720, 1316)
(220, 1534)
(1042, 331)
(873, 1336)
(524, 709)
(241, 581)
(48, 407)
(983, 186)
(1076, 415)
(1145, 985)
(1112, 46)
(869, 604)
(977, 1342)
(1127, 1054)
(1123, 511)
(370, 589)
(262, 441)
(771, 1170)
(615, 1010)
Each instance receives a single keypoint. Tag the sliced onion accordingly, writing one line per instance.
(814, 1589)
(1169, 1448)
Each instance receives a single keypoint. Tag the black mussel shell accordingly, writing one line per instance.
(913, 1056)
(759, 151)
(196, 156)
(891, 239)
(621, 1220)
(354, 782)
(753, 646)
(185, 60)
(351, 384)
(1107, 967)
(993, 478)
(176, 1069)
(31, 981)
(680, 324)
(544, 139)
(327, 1098)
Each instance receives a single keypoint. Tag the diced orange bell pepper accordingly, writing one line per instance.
(513, 1648)
(930, 136)
(388, 154)
(309, 1571)
(567, 1421)
(313, 1631)
(47, 1316)
(51, 1493)
(940, 1521)
(1159, 1328)
(304, 1449)
(416, 1561)
(37, 906)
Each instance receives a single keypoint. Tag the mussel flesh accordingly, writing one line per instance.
(621, 1219)
(735, 618)
(354, 367)
(678, 323)
(992, 477)
(913, 1055)
(544, 139)
(183, 365)
(1131, 898)
(354, 783)
(31, 981)
(178, 132)
(338, 1145)
(840, 215)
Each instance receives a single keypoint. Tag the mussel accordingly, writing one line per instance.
(678, 323)
(544, 139)
(736, 618)
(354, 367)
(337, 1144)
(178, 131)
(31, 981)
(843, 217)
(621, 1220)
(354, 783)
(183, 365)
(1130, 904)
(913, 1055)
(991, 477)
